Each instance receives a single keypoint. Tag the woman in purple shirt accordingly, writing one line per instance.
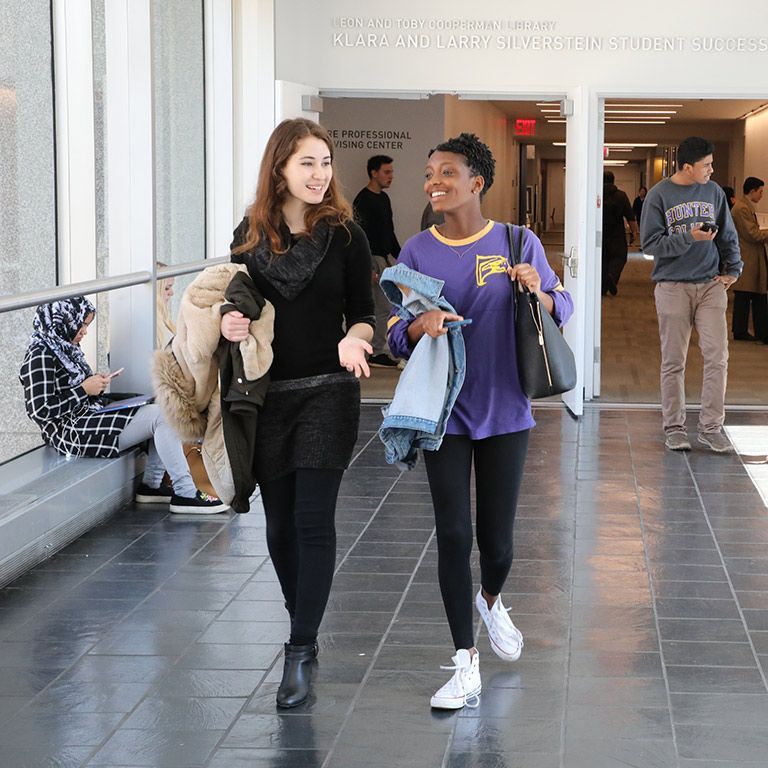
(491, 419)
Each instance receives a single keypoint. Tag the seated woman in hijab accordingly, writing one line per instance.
(63, 396)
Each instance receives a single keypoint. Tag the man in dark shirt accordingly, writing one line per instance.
(616, 208)
(373, 212)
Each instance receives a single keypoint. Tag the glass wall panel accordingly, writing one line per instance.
(27, 191)
(98, 35)
(100, 135)
(179, 122)
(27, 196)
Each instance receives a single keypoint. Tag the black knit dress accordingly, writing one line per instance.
(311, 413)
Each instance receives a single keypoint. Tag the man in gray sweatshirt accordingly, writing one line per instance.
(688, 229)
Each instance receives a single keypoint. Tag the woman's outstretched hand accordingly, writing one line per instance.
(234, 326)
(352, 355)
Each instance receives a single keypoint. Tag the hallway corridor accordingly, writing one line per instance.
(640, 583)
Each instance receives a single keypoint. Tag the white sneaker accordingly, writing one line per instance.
(464, 686)
(506, 639)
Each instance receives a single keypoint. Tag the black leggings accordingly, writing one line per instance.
(301, 537)
(499, 463)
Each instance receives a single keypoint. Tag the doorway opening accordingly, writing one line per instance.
(528, 145)
(641, 136)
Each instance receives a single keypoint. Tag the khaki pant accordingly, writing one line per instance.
(382, 307)
(682, 307)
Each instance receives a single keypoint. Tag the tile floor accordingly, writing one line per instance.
(640, 583)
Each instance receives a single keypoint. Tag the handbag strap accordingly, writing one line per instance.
(515, 238)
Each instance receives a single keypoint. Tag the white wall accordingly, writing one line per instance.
(627, 178)
(422, 122)
(554, 215)
(572, 48)
(755, 153)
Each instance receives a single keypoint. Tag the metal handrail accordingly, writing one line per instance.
(174, 270)
(101, 285)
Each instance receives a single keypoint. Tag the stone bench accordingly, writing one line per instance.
(48, 500)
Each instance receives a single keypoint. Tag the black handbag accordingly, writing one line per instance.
(545, 362)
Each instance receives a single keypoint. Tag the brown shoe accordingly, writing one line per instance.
(677, 441)
(716, 441)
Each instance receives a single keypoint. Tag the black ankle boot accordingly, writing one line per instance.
(297, 675)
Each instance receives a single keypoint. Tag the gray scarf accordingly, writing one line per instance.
(290, 272)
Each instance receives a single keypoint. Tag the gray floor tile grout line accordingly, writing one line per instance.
(651, 589)
(117, 623)
(569, 644)
(356, 697)
(728, 577)
(374, 512)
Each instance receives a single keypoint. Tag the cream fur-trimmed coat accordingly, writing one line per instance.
(186, 377)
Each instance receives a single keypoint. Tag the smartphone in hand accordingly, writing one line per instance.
(708, 227)
(113, 374)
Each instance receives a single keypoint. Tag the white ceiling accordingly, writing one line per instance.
(713, 114)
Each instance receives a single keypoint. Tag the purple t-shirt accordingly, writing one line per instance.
(474, 270)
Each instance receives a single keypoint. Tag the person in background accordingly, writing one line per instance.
(637, 204)
(373, 212)
(752, 288)
(165, 327)
(688, 229)
(63, 396)
(616, 209)
(308, 258)
(491, 418)
(730, 196)
(429, 218)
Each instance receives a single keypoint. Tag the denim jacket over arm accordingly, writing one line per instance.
(418, 414)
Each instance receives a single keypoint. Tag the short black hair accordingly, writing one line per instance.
(752, 183)
(477, 154)
(692, 149)
(375, 163)
(608, 177)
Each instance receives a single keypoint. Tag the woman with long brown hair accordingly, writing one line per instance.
(306, 256)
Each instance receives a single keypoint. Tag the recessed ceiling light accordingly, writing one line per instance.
(640, 111)
(628, 144)
(635, 122)
(636, 106)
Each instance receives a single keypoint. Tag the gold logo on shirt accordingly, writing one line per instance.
(485, 266)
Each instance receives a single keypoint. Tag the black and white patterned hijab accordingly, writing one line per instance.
(56, 324)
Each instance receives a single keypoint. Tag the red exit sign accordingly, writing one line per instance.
(525, 127)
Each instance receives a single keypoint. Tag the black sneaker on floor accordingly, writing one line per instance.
(147, 495)
(382, 361)
(199, 504)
